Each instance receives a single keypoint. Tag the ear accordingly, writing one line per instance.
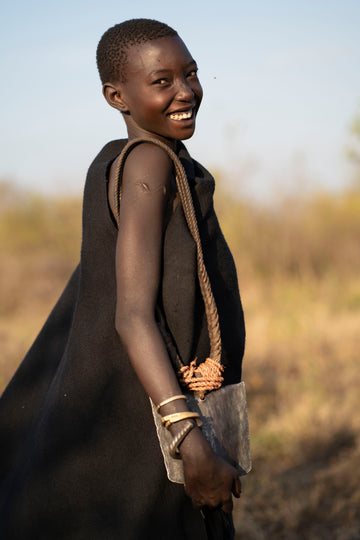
(114, 97)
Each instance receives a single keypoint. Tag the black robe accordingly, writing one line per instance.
(79, 456)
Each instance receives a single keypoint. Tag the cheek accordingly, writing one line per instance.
(157, 106)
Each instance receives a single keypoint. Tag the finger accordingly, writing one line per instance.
(227, 506)
(236, 487)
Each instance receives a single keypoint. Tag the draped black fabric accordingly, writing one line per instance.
(79, 456)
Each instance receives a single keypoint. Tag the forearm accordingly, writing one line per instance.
(151, 362)
(148, 356)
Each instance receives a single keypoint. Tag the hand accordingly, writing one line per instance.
(209, 480)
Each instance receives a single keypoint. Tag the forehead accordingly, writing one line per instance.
(166, 53)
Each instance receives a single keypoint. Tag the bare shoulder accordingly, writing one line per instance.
(147, 163)
(149, 160)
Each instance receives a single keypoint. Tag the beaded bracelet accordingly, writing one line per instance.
(178, 439)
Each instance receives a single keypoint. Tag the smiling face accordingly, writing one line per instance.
(162, 93)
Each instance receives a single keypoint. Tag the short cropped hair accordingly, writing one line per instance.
(112, 50)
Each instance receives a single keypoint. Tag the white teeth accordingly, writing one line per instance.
(181, 116)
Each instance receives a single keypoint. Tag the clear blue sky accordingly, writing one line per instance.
(281, 83)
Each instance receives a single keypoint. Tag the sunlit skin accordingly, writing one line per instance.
(161, 86)
(161, 80)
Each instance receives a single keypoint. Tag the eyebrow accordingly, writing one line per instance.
(158, 71)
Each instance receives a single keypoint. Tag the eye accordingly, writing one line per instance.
(161, 82)
(193, 73)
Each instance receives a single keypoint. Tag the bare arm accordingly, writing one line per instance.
(145, 191)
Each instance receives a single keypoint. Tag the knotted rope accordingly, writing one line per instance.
(202, 378)
(207, 375)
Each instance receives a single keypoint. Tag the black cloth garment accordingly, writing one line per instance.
(79, 456)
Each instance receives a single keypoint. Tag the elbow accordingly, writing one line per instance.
(122, 324)
(130, 324)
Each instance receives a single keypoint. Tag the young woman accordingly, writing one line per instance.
(80, 457)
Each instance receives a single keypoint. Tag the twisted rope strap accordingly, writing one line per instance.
(207, 375)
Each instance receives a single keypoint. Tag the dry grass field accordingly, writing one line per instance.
(299, 274)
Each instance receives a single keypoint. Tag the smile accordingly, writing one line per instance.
(181, 115)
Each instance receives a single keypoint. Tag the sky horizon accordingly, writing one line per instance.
(281, 84)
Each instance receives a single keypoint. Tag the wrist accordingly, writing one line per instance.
(193, 445)
(179, 438)
(175, 428)
(175, 418)
(173, 407)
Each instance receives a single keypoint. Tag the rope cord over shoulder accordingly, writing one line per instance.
(207, 375)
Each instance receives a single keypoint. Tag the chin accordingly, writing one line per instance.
(185, 137)
(186, 134)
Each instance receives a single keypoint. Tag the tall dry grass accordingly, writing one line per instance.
(39, 247)
(299, 274)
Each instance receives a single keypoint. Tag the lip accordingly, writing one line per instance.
(182, 110)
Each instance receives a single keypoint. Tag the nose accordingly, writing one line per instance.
(184, 90)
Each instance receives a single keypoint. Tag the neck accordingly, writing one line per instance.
(134, 132)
